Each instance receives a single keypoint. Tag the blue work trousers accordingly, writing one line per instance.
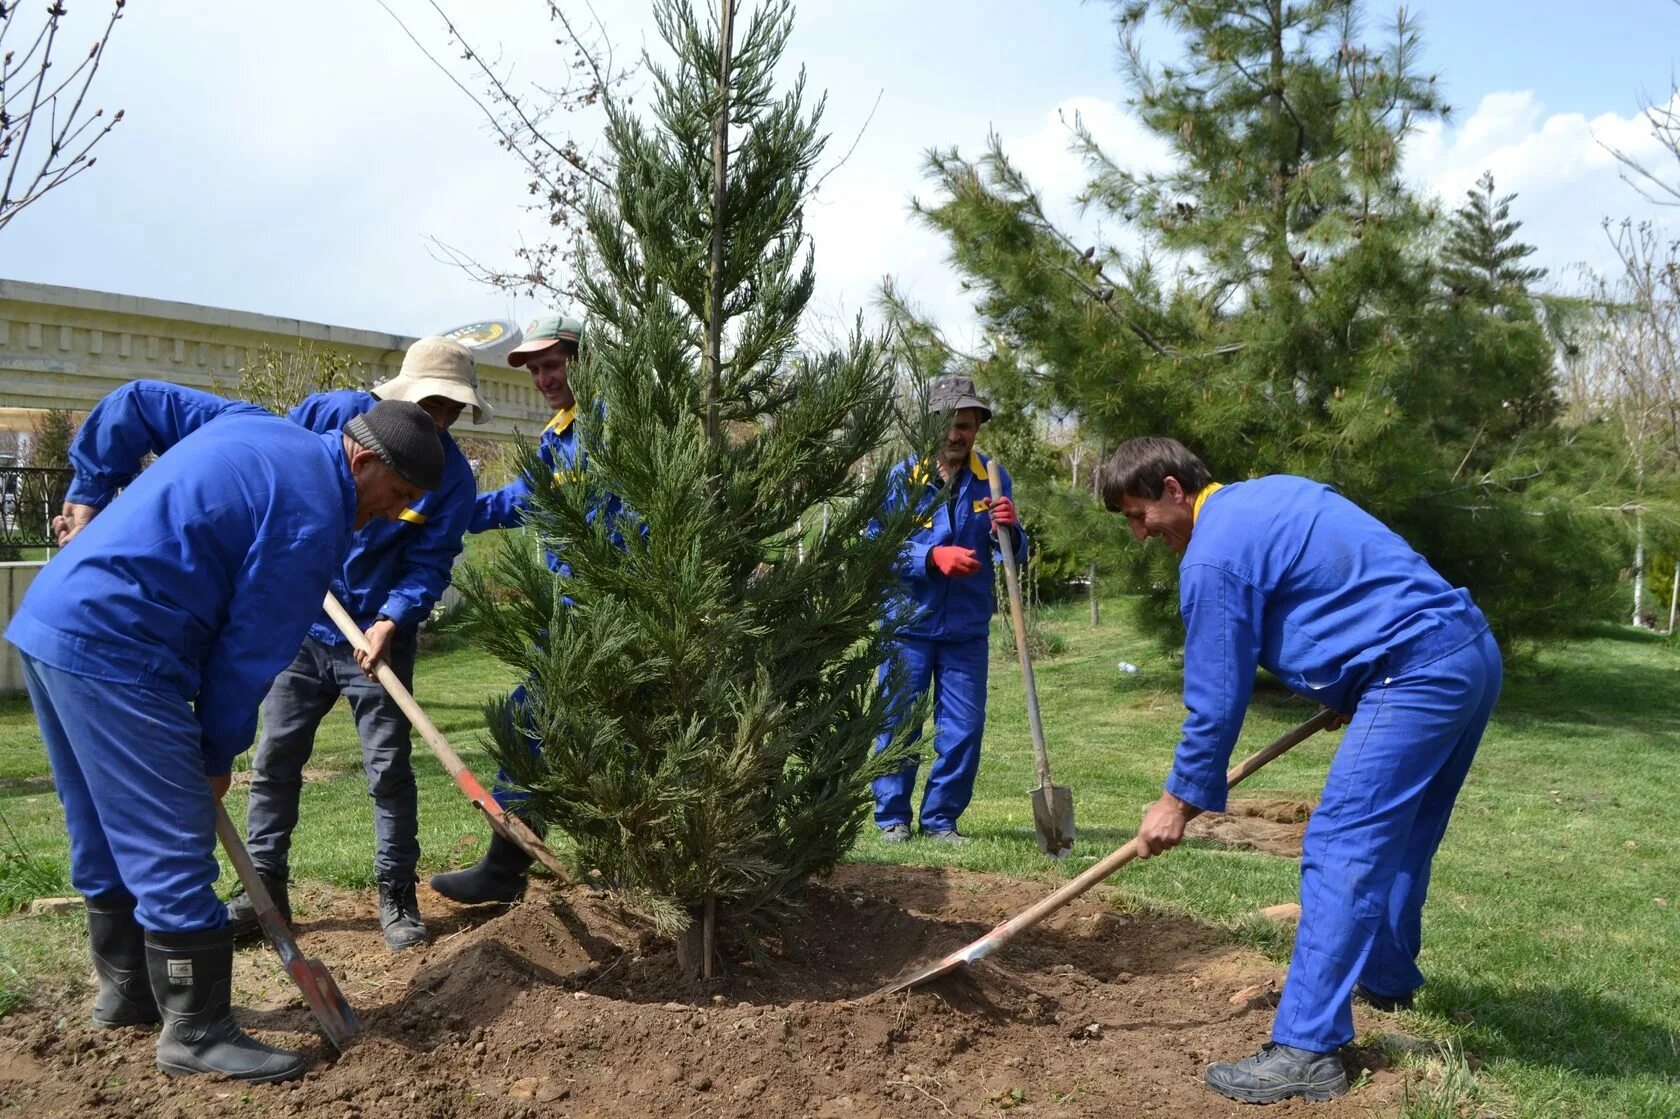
(297, 701)
(1367, 852)
(956, 671)
(129, 770)
(506, 793)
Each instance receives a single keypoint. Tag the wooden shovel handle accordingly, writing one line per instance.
(1012, 580)
(509, 826)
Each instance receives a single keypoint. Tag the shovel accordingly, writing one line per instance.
(502, 822)
(1052, 804)
(1025, 920)
(326, 1002)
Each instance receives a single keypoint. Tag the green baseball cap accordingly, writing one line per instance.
(545, 331)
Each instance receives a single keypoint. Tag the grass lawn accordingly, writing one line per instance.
(1550, 936)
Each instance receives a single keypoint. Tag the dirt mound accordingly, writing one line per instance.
(558, 1007)
(1270, 825)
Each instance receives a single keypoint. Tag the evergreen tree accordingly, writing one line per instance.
(1285, 315)
(1482, 256)
(707, 705)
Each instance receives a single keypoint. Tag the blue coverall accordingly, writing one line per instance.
(944, 646)
(1285, 573)
(149, 640)
(395, 569)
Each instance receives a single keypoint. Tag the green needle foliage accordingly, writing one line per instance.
(1286, 312)
(707, 705)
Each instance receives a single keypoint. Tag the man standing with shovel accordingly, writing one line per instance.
(946, 569)
(1284, 573)
(391, 578)
(147, 644)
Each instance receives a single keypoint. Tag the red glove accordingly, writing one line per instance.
(952, 561)
(1003, 512)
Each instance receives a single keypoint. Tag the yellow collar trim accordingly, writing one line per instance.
(1207, 491)
(975, 466)
(562, 420)
(922, 472)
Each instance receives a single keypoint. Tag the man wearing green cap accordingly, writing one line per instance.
(551, 345)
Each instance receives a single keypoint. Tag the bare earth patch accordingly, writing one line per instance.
(555, 1007)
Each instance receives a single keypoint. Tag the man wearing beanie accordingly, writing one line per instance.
(391, 579)
(147, 643)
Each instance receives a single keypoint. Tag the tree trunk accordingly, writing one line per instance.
(1639, 569)
(713, 368)
(1673, 596)
(1091, 577)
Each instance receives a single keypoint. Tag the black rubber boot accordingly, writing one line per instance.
(242, 915)
(1279, 1072)
(118, 946)
(499, 878)
(399, 916)
(192, 975)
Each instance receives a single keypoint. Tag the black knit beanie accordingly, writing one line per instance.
(405, 439)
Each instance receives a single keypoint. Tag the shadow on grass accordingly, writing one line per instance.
(1588, 698)
(1588, 1033)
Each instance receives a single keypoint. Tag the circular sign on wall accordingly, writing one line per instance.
(489, 341)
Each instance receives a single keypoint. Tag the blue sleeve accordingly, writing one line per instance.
(912, 560)
(503, 508)
(140, 418)
(276, 596)
(1222, 617)
(309, 414)
(429, 555)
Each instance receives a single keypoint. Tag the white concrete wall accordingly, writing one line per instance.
(14, 580)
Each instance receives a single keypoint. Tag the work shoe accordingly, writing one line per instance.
(242, 914)
(1390, 1003)
(399, 916)
(1278, 1072)
(191, 976)
(895, 833)
(117, 944)
(945, 835)
(499, 877)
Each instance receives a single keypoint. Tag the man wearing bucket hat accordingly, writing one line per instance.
(389, 582)
(552, 343)
(946, 570)
(147, 644)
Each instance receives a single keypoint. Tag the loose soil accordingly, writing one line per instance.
(557, 1007)
(1268, 824)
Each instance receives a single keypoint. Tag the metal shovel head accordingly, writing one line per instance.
(1053, 820)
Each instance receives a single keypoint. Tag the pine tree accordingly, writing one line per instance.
(1482, 256)
(1285, 314)
(708, 704)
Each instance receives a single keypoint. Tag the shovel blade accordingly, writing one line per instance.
(1053, 820)
(331, 1010)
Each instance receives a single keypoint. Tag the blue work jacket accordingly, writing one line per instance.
(505, 508)
(948, 609)
(1286, 573)
(201, 578)
(395, 568)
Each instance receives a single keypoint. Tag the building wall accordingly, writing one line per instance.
(66, 347)
(14, 580)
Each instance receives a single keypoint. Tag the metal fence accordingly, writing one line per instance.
(30, 496)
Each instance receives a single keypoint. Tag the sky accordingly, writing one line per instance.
(299, 159)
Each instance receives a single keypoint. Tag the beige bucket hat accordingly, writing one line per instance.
(437, 367)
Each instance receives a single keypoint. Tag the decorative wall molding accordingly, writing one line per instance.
(66, 347)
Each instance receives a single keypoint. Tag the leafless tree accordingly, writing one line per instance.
(536, 122)
(46, 132)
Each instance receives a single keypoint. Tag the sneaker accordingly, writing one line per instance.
(1389, 1003)
(895, 833)
(945, 835)
(1278, 1072)
(399, 916)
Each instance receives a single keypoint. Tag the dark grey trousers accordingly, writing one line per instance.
(298, 700)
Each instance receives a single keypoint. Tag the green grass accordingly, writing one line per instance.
(1550, 960)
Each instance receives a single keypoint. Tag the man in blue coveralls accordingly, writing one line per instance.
(390, 581)
(946, 571)
(550, 346)
(1284, 573)
(147, 644)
